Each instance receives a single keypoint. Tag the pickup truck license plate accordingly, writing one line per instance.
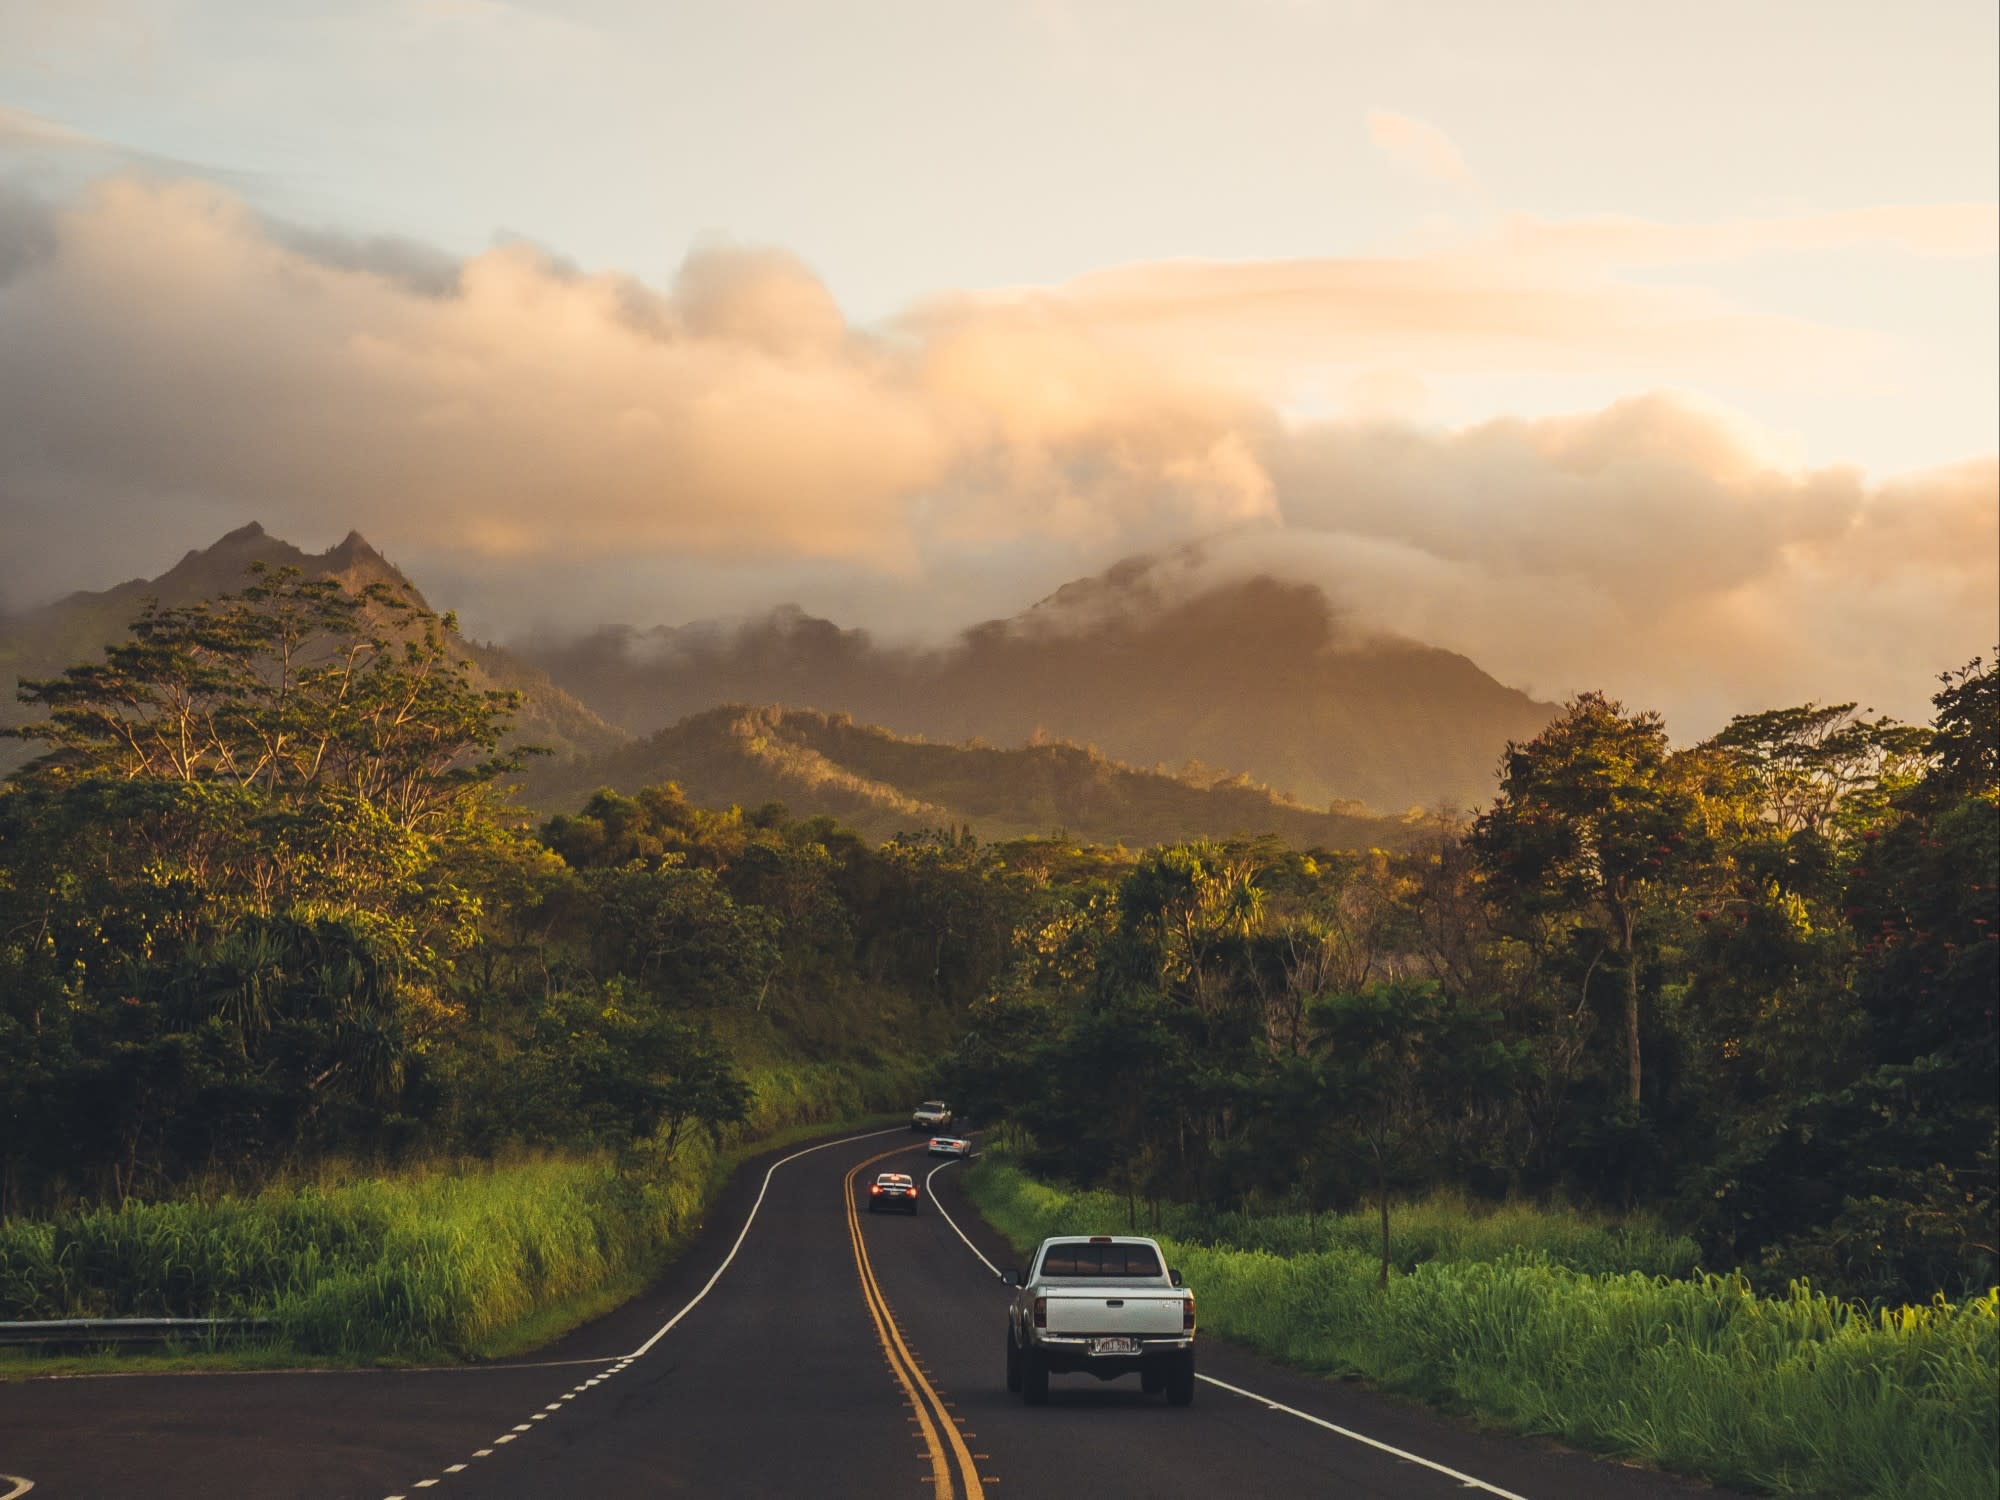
(1114, 1346)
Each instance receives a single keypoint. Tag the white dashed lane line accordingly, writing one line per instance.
(618, 1362)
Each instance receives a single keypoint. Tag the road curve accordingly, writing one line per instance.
(799, 1347)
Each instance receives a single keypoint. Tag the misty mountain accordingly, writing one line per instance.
(883, 784)
(1261, 676)
(42, 642)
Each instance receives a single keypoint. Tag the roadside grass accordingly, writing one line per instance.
(425, 1264)
(1796, 1395)
(1443, 1226)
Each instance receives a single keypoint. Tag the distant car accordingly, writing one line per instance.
(950, 1145)
(896, 1190)
(932, 1114)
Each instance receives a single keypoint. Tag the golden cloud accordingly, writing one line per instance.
(585, 440)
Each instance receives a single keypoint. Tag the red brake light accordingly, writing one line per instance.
(1041, 1312)
(1187, 1314)
(913, 1192)
(875, 1187)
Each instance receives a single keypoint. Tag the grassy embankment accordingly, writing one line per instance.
(1548, 1323)
(428, 1263)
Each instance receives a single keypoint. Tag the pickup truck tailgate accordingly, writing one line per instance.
(1078, 1311)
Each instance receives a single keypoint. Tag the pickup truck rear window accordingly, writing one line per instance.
(1101, 1260)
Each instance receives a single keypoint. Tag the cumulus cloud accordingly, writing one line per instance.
(163, 343)
(541, 444)
(1652, 548)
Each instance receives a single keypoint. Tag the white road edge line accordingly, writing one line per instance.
(21, 1486)
(939, 1206)
(1291, 1411)
(1465, 1480)
(665, 1328)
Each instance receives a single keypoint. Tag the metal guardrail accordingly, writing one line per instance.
(124, 1330)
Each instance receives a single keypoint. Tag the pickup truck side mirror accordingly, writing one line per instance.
(1174, 1277)
(1012, 1278)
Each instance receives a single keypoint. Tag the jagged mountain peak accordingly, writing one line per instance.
(41, 643)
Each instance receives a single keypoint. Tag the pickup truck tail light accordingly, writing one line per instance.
(874, 1189)
(1187, 1314)
(1041, 1312)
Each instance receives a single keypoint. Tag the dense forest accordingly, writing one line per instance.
(264, 900)
(1750, 984)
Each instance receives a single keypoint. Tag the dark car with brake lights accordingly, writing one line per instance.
(897, 1190)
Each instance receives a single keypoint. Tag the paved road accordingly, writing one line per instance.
(831, 1353)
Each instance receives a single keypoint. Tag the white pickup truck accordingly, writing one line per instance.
(932, 1115)
(1103, 1305)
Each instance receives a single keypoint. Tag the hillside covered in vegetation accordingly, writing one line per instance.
(42, 642)
(1153, 661)
(260, 906)
(881, 784)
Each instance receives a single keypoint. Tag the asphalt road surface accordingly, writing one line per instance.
(798, 1348)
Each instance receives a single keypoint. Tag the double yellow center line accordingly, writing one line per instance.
(933, 1421)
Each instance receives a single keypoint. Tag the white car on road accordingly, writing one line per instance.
(932, 1114)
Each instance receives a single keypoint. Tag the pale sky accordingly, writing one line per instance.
(992, 293)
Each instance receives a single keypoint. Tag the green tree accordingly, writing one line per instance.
(292, 685)
(950, 909)
(1402, 1066)
(1182, 909)
(677, 933)
(1593, 825)
(616, 1068)
(1880, 1175)
(229, 886)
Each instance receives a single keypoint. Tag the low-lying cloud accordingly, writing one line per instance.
(543, 445)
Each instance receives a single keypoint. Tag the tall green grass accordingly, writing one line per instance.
(424, 1263)
(1800, 1395)
(1444, 1226)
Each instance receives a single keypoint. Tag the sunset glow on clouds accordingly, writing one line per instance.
(1587, 441)
(174, 359)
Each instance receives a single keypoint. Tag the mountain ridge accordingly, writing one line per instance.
(1143, 665)
(42, 642)
(1259, 674)
(883, 784)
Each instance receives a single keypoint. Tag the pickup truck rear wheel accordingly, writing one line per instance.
(1034, 1377)
(1013, 1362)
(1180, 1380)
